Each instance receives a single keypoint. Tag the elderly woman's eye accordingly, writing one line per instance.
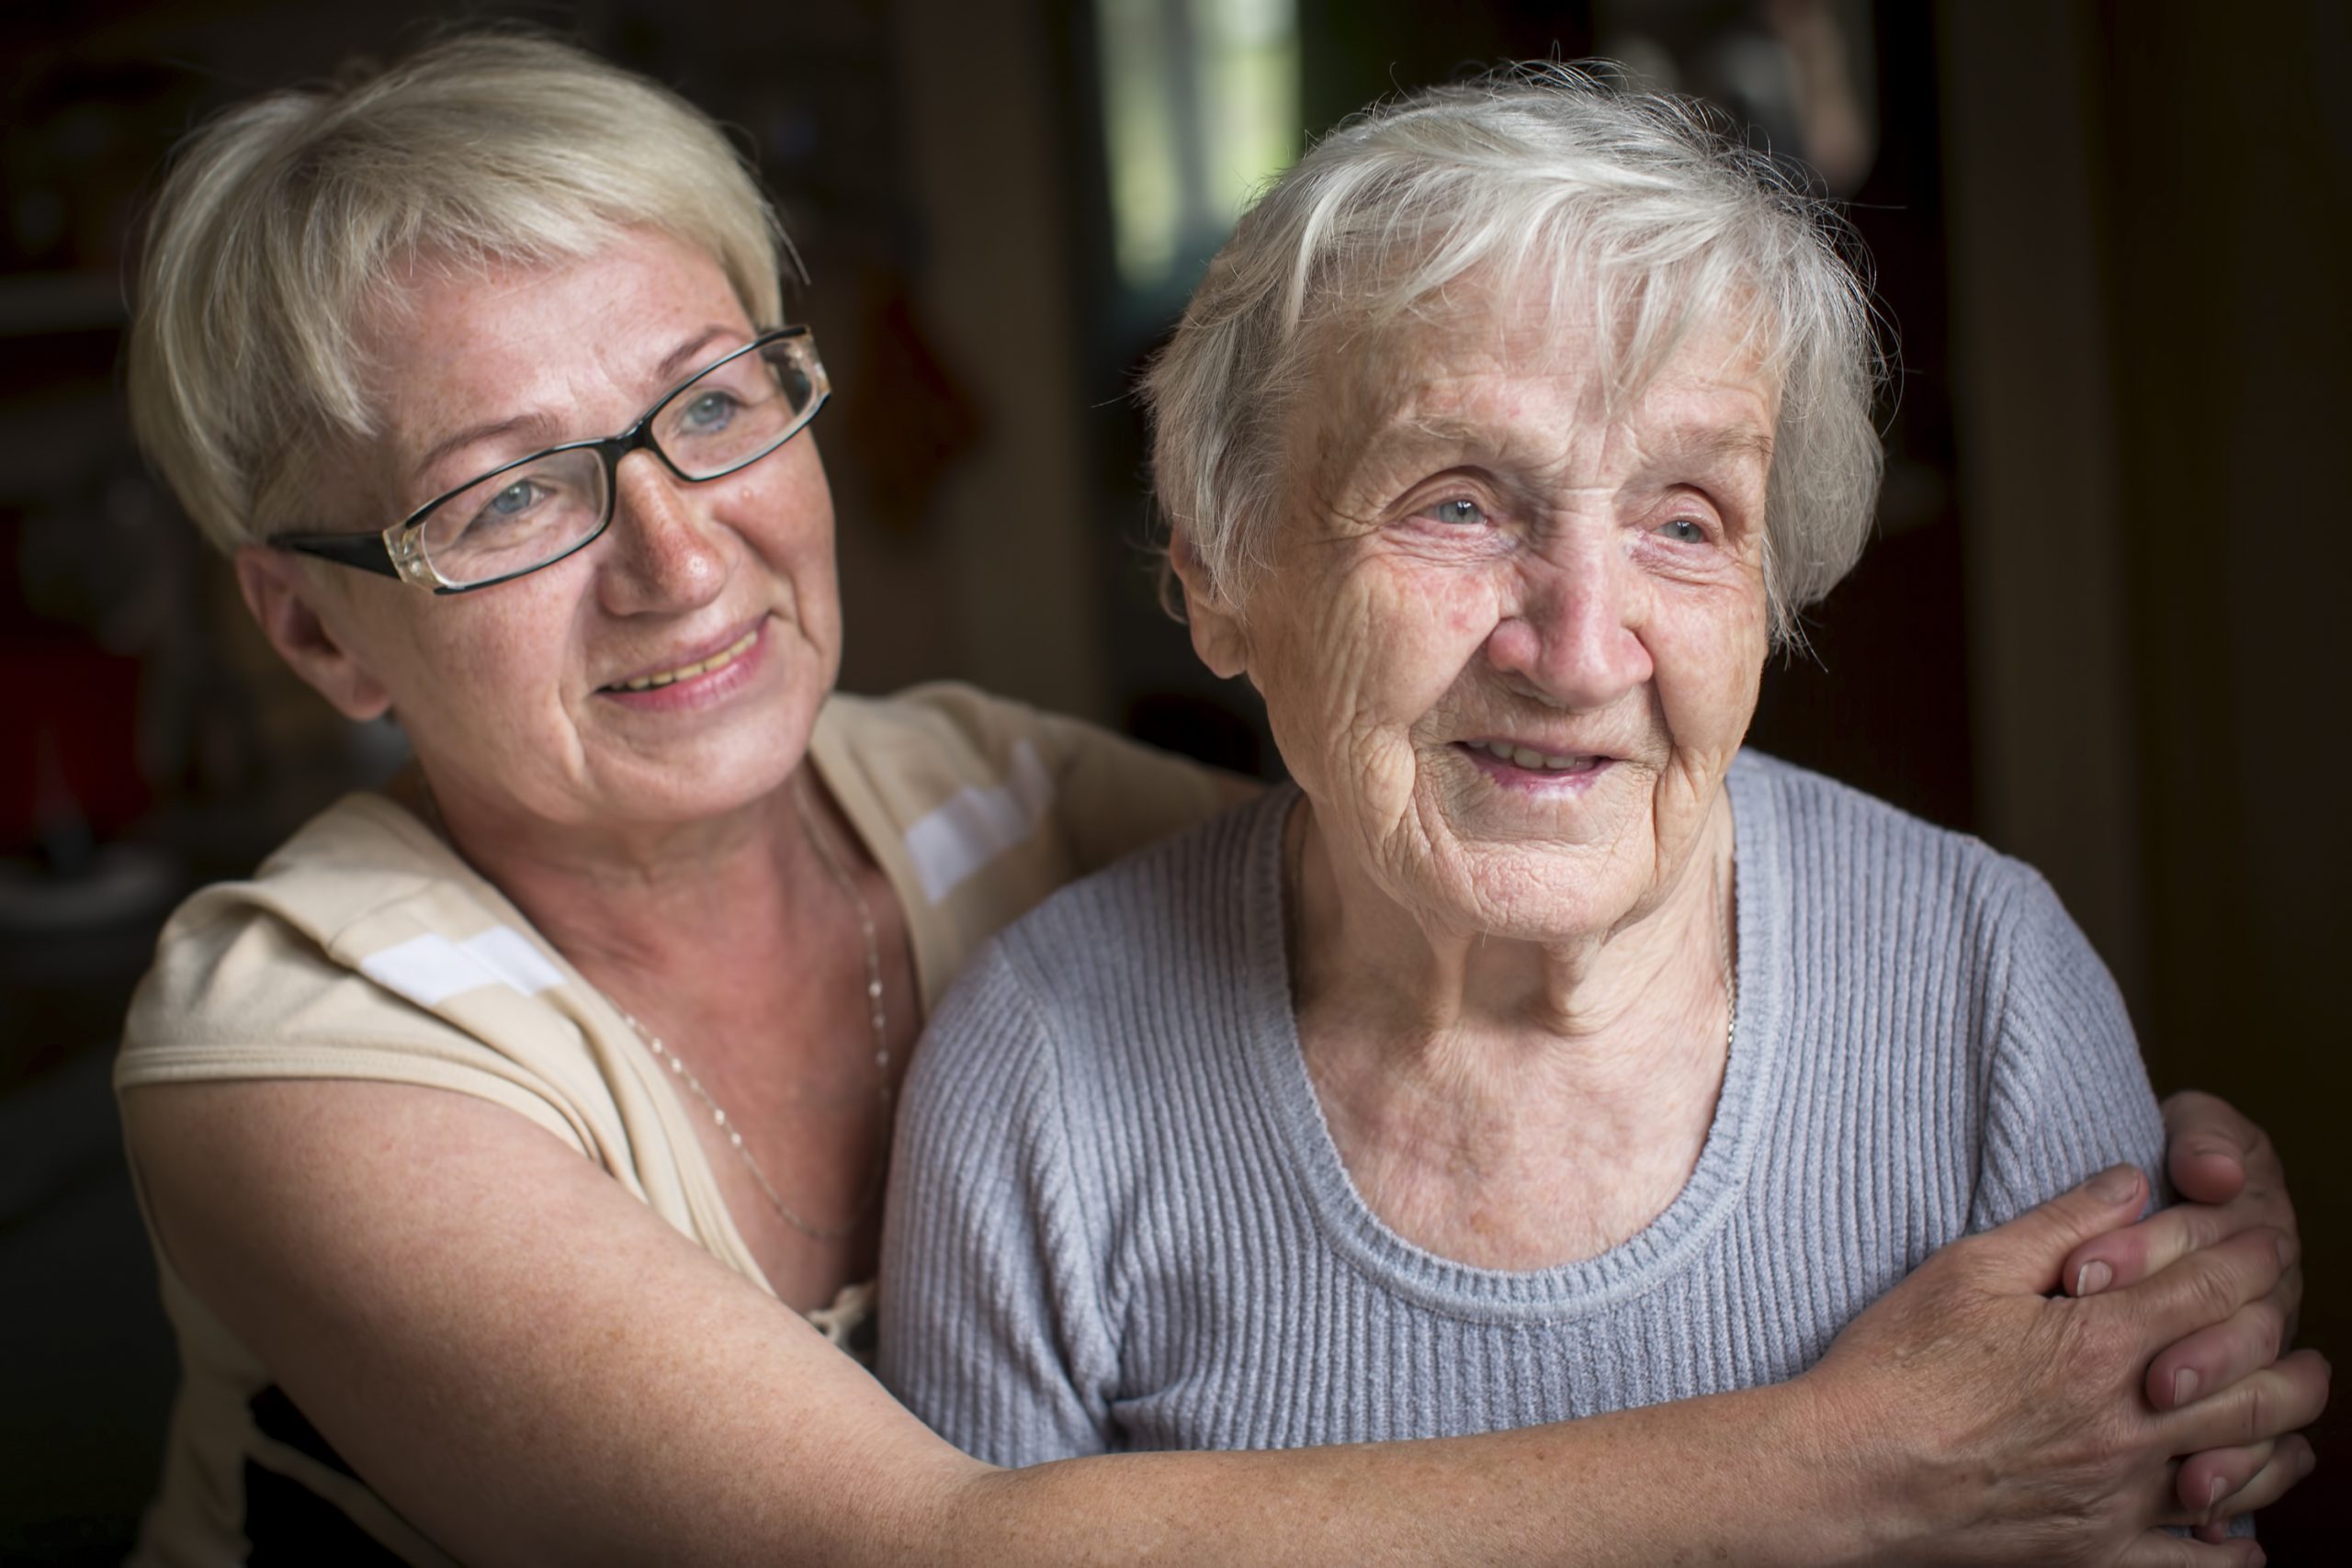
(1458, 510)
(1685, 531)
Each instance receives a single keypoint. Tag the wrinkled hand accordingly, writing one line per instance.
(2229, 1180)
(2003, 1424)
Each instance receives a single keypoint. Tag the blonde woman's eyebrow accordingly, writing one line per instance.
(689, 357)
(675, 366)
(447, 446)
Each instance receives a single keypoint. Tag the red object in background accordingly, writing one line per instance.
(69, 755)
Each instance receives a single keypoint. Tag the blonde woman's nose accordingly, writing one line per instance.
(669, 551)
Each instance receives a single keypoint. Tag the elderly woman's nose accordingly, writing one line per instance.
(1574, 634)
(670, 552)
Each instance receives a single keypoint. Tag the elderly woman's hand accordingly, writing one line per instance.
(2056, 1453)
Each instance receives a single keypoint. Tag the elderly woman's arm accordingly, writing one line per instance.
(531, 1366)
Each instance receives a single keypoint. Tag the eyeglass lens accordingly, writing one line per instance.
(536, 510)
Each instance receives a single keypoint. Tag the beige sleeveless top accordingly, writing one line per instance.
(366, 949)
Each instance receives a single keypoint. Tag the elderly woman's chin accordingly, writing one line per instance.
(1549, 848)
(1493, 816)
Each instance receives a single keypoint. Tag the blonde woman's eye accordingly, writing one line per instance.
(709, 411)
(512, 500)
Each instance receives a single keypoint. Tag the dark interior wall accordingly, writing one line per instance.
(2149, 208)
(2232, 343)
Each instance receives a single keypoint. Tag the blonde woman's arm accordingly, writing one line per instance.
(532, 1367)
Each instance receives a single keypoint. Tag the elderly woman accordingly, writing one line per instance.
(496, 1137)
(1540, 1054)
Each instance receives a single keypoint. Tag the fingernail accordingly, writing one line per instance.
(2184, 1389)
(2213, 1494)
(2116, 1184)
(2093, 1277)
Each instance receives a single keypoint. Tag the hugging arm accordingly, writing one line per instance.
(1966, 1417)
(2068, 1094)
(2230, 1186)
(530, 1365)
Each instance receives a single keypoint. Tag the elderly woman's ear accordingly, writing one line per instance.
(1217, 634)
(285, 598)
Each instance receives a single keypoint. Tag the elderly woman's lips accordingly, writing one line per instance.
(704, 666)
(1534, 760)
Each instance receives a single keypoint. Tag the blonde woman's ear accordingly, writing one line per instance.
(285, 599)
(1217, 634)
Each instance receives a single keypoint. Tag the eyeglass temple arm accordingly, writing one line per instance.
(365, 551)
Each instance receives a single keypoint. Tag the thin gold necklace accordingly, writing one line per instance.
(875, 1016)
(1731, 971)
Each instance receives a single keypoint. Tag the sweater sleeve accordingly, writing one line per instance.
(2067, 1094)
(992, 1327)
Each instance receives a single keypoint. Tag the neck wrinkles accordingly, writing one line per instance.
(1375, 983)
(642, 903)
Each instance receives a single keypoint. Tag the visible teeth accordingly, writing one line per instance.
(1521, 756)
(727, 655)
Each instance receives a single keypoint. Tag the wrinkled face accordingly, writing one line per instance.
(669, 672)
(1510, 637)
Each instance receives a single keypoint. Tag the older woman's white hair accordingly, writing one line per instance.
(287, 221)
(1636, 205)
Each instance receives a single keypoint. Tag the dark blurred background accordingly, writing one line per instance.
(2101, 625)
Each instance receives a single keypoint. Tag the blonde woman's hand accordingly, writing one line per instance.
(2005, 1424)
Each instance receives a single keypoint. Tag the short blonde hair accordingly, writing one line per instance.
(1638, 204)
(282, 223)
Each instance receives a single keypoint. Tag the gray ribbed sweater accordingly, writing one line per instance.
(1118, 1220)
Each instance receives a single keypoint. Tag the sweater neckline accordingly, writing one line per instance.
(1571, 1290)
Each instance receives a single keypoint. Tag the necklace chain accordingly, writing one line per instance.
(875, 1016)
(1731, 971)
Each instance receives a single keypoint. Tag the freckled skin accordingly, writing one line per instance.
(647, 837)
(499, 689)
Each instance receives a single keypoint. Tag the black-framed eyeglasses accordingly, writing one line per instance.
(536, 510)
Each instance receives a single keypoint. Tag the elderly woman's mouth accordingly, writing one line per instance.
(1511, 759)
(708, 664)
